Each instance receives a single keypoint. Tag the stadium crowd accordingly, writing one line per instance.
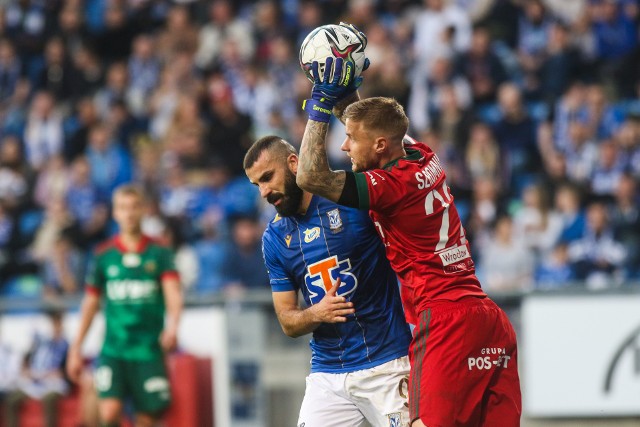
(533, 106)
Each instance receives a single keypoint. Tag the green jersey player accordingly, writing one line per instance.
(137, 281)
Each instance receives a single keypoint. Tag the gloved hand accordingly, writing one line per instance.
(326, 93)
(357, 82)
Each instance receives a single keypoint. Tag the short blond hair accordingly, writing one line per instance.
(380, 114)
(129, 190)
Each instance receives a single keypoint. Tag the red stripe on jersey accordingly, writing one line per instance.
(104, 246)
(170, 275)
(92, 290)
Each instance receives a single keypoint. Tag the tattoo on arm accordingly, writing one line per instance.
(314, 174)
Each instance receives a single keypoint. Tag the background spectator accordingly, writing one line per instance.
(223, 29)
(507, 264)
(10, 366)
(535, 223)
(10, 70)
(42, 376)
(43, 135)
(244, 248)
(598, 257)
(482, 67)
(434, 25)
(625, 221)
(555, 271)
(515, 132)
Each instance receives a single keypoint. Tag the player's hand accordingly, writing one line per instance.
(168, 339)
(326, 93)
(75, 364)
(330, 90)
(333, 308)
(357, 82)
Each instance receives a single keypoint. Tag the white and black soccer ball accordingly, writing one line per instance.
(337, 41)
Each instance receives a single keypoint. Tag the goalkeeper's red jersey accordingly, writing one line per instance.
(413, 210)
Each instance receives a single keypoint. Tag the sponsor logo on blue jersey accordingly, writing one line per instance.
(311, 234)
(322, 275)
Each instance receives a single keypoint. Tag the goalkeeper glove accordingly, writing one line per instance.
(326, 93)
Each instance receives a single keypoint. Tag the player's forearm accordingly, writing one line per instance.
(88, 310)
(173, 303)
(314, 174)
(338, 109)
(298, 322)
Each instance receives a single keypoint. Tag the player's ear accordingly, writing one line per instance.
(292, 163)
(380, 145)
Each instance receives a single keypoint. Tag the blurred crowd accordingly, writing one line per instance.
(533, 106)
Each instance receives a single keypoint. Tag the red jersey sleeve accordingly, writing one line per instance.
(379, 190)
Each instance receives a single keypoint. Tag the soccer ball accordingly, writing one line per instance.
(338, 41)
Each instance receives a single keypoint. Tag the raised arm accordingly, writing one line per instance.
(314, 174)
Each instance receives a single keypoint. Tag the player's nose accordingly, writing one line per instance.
(345, 145)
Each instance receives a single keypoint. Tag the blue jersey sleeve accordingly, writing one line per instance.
(278, 277)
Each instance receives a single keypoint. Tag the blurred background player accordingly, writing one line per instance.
(331, 254)
(137, 280)
(402, 184)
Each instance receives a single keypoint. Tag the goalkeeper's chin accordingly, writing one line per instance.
(355, 167)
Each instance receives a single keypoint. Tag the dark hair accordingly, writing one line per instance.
(54, 313)
(271, 142)
(176, 228)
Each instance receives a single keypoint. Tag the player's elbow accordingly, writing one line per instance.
(291, 332)
(311, 182)
(302, 180)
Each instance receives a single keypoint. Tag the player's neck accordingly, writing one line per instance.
(305, 202)
(131, 240)
(391, 156)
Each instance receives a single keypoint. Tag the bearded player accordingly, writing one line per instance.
(334, 258)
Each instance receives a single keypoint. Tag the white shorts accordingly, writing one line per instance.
(370, 397)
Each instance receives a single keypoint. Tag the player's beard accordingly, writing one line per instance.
(357, 167)
(291, 197)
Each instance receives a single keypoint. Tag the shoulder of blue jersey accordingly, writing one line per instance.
(276, 228)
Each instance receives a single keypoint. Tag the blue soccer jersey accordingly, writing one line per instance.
(309, 252)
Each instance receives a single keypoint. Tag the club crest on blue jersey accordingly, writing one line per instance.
(335, 222)
(322, 275)
(395, 419)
